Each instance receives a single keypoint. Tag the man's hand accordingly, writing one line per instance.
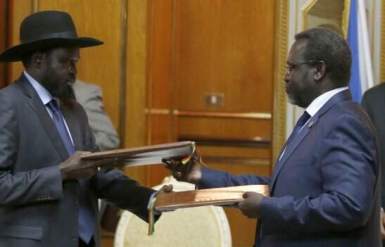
(74, 167)
(189, 172)
(167, 188)
(250, 206)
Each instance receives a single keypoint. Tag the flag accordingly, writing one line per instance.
(358, 39)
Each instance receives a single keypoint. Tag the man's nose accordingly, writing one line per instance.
(286, 76)
(72, 69)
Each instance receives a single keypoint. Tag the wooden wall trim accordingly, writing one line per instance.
(150, 50)
(17, 11)
(305, 10)
(281, 47)
(174, 44)
(345, 18)
(123, 72)
(136, 74)
(234, 161)
(243, 115)
(218, 142)
(248, 115)
(35, 6)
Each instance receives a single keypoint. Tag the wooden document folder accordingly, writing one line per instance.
(226, 196)
(217, 196)
(140, 156)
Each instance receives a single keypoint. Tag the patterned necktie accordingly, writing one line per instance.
(300, 123)
(58, 119)
(86, 217)
(297, 128)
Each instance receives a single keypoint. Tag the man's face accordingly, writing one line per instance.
(59, 70)
(299, 83)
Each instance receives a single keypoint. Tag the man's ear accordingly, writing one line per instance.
(37, 59)
(320, 71)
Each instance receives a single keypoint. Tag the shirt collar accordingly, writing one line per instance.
(321, 100)
(43, 93)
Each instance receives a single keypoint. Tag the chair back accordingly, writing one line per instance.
(189, 227)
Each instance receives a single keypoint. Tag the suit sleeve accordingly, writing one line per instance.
(19, 188)
(349, 171)
(373, 102)
(212, 178)
(366, 104)
(113, 186)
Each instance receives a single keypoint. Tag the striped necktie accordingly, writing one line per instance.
(86, 218)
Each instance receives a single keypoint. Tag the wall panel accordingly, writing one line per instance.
(224, 47)
(18, 9)
(211, 78)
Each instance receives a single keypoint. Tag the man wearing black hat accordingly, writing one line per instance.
(46, 197)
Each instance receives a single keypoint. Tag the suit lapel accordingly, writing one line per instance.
(289, 149)
(37, 106)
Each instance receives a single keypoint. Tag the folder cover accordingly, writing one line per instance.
(140, 156)
(225, 196)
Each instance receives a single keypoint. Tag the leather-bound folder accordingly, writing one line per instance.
(225, 196)
(140, 156)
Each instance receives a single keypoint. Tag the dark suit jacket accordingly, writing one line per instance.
(325, 188)
(36, 207)
(374, 104)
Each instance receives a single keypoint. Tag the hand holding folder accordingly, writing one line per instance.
(227, 196)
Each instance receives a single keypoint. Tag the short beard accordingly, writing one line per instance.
(61, 92)
(65, 94)
(297, 101)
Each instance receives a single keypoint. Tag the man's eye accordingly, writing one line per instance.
(290, 67)
(64, 61)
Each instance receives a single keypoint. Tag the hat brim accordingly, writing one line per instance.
(18, 52)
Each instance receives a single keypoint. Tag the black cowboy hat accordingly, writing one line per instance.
(44, 30)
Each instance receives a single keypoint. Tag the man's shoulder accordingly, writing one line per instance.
(350, 115)
(85, 92)
(85, 87)
(376, 91)
(344, 110)
(11, 90)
